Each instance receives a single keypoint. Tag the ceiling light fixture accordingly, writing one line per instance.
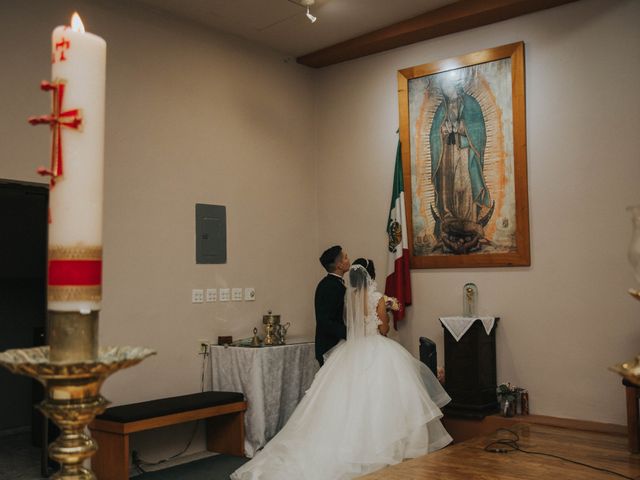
(311, 18)
(306, 3)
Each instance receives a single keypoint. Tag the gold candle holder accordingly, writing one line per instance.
(630, 370)
(72, 372)
(72, 336)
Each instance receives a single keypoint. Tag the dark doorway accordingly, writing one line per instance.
(23, 270)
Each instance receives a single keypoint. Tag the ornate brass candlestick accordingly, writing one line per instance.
(73, 368)
(72, 371)
(630, 370)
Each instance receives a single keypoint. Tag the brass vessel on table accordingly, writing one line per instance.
(271, 323)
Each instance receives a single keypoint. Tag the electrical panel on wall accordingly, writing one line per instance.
(211, 233)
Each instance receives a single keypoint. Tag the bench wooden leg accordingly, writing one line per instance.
(111, 461)
(225, 434)
(632, 419)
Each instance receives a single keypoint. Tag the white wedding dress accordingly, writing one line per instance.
(372, 404)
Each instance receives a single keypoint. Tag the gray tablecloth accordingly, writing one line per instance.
(273, 379)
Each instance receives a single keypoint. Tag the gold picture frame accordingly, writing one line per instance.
(464, 156)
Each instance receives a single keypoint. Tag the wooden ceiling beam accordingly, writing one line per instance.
(452, 18)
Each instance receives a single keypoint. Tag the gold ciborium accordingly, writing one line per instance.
(271, 323)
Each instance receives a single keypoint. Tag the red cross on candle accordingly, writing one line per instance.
(62, 45)
(58, 119)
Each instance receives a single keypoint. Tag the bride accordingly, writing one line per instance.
(372, 404)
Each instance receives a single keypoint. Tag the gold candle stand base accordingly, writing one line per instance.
(630, 370)
(72, 397)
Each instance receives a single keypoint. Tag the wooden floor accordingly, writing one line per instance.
(468, 460)
(462, 429)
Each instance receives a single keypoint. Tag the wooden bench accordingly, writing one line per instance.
(223, 411)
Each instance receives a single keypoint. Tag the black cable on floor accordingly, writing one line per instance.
(506, 445)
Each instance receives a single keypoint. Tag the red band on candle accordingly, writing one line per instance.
(75, 272)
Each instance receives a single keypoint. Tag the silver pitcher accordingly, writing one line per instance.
(281, 333)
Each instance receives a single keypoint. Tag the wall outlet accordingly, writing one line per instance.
(197, 295)
(224, 294)
(249, 294)
(236, 294)
(211, 295)
(203, 345)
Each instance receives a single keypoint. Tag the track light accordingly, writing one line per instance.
(306, 3)
(311, 18)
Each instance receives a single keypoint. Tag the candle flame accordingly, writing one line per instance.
(76, 23)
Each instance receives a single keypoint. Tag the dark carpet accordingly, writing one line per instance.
(19, 460)
(217, 467)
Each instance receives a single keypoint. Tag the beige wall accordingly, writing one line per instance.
(195, 116)
(192, 116)
(567, 317)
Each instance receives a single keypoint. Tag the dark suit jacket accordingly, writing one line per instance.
(330, 327)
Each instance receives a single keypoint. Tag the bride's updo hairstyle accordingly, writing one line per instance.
(368, 265)
(358, 277)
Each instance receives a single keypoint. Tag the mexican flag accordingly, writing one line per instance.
(398, 283)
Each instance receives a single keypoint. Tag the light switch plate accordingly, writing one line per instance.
(211, 295)
(249, 294)
(197, 295)
(224, 294)
(236, 294)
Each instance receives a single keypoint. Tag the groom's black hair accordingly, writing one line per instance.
(329, 258)
(368, 265)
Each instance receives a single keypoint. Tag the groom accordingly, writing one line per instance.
(329, 301)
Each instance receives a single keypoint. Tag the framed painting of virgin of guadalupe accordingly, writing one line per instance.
(462, 133)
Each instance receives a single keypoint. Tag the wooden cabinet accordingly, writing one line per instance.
(470, 372)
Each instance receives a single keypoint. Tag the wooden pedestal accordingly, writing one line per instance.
(470, 372)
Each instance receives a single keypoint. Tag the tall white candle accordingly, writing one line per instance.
(75, 201)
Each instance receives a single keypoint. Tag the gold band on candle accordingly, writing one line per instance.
(74, 293)
(58, 252)
(74, 274)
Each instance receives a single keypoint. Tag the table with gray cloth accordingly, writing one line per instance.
(273, 380)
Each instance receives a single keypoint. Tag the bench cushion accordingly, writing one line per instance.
(168, 406)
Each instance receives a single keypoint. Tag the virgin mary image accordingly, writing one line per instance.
(458, 138)
(462, 161)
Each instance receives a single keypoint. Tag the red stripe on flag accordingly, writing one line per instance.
(398, 285)
(75, 272)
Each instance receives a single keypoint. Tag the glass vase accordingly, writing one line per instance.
(634, 247)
